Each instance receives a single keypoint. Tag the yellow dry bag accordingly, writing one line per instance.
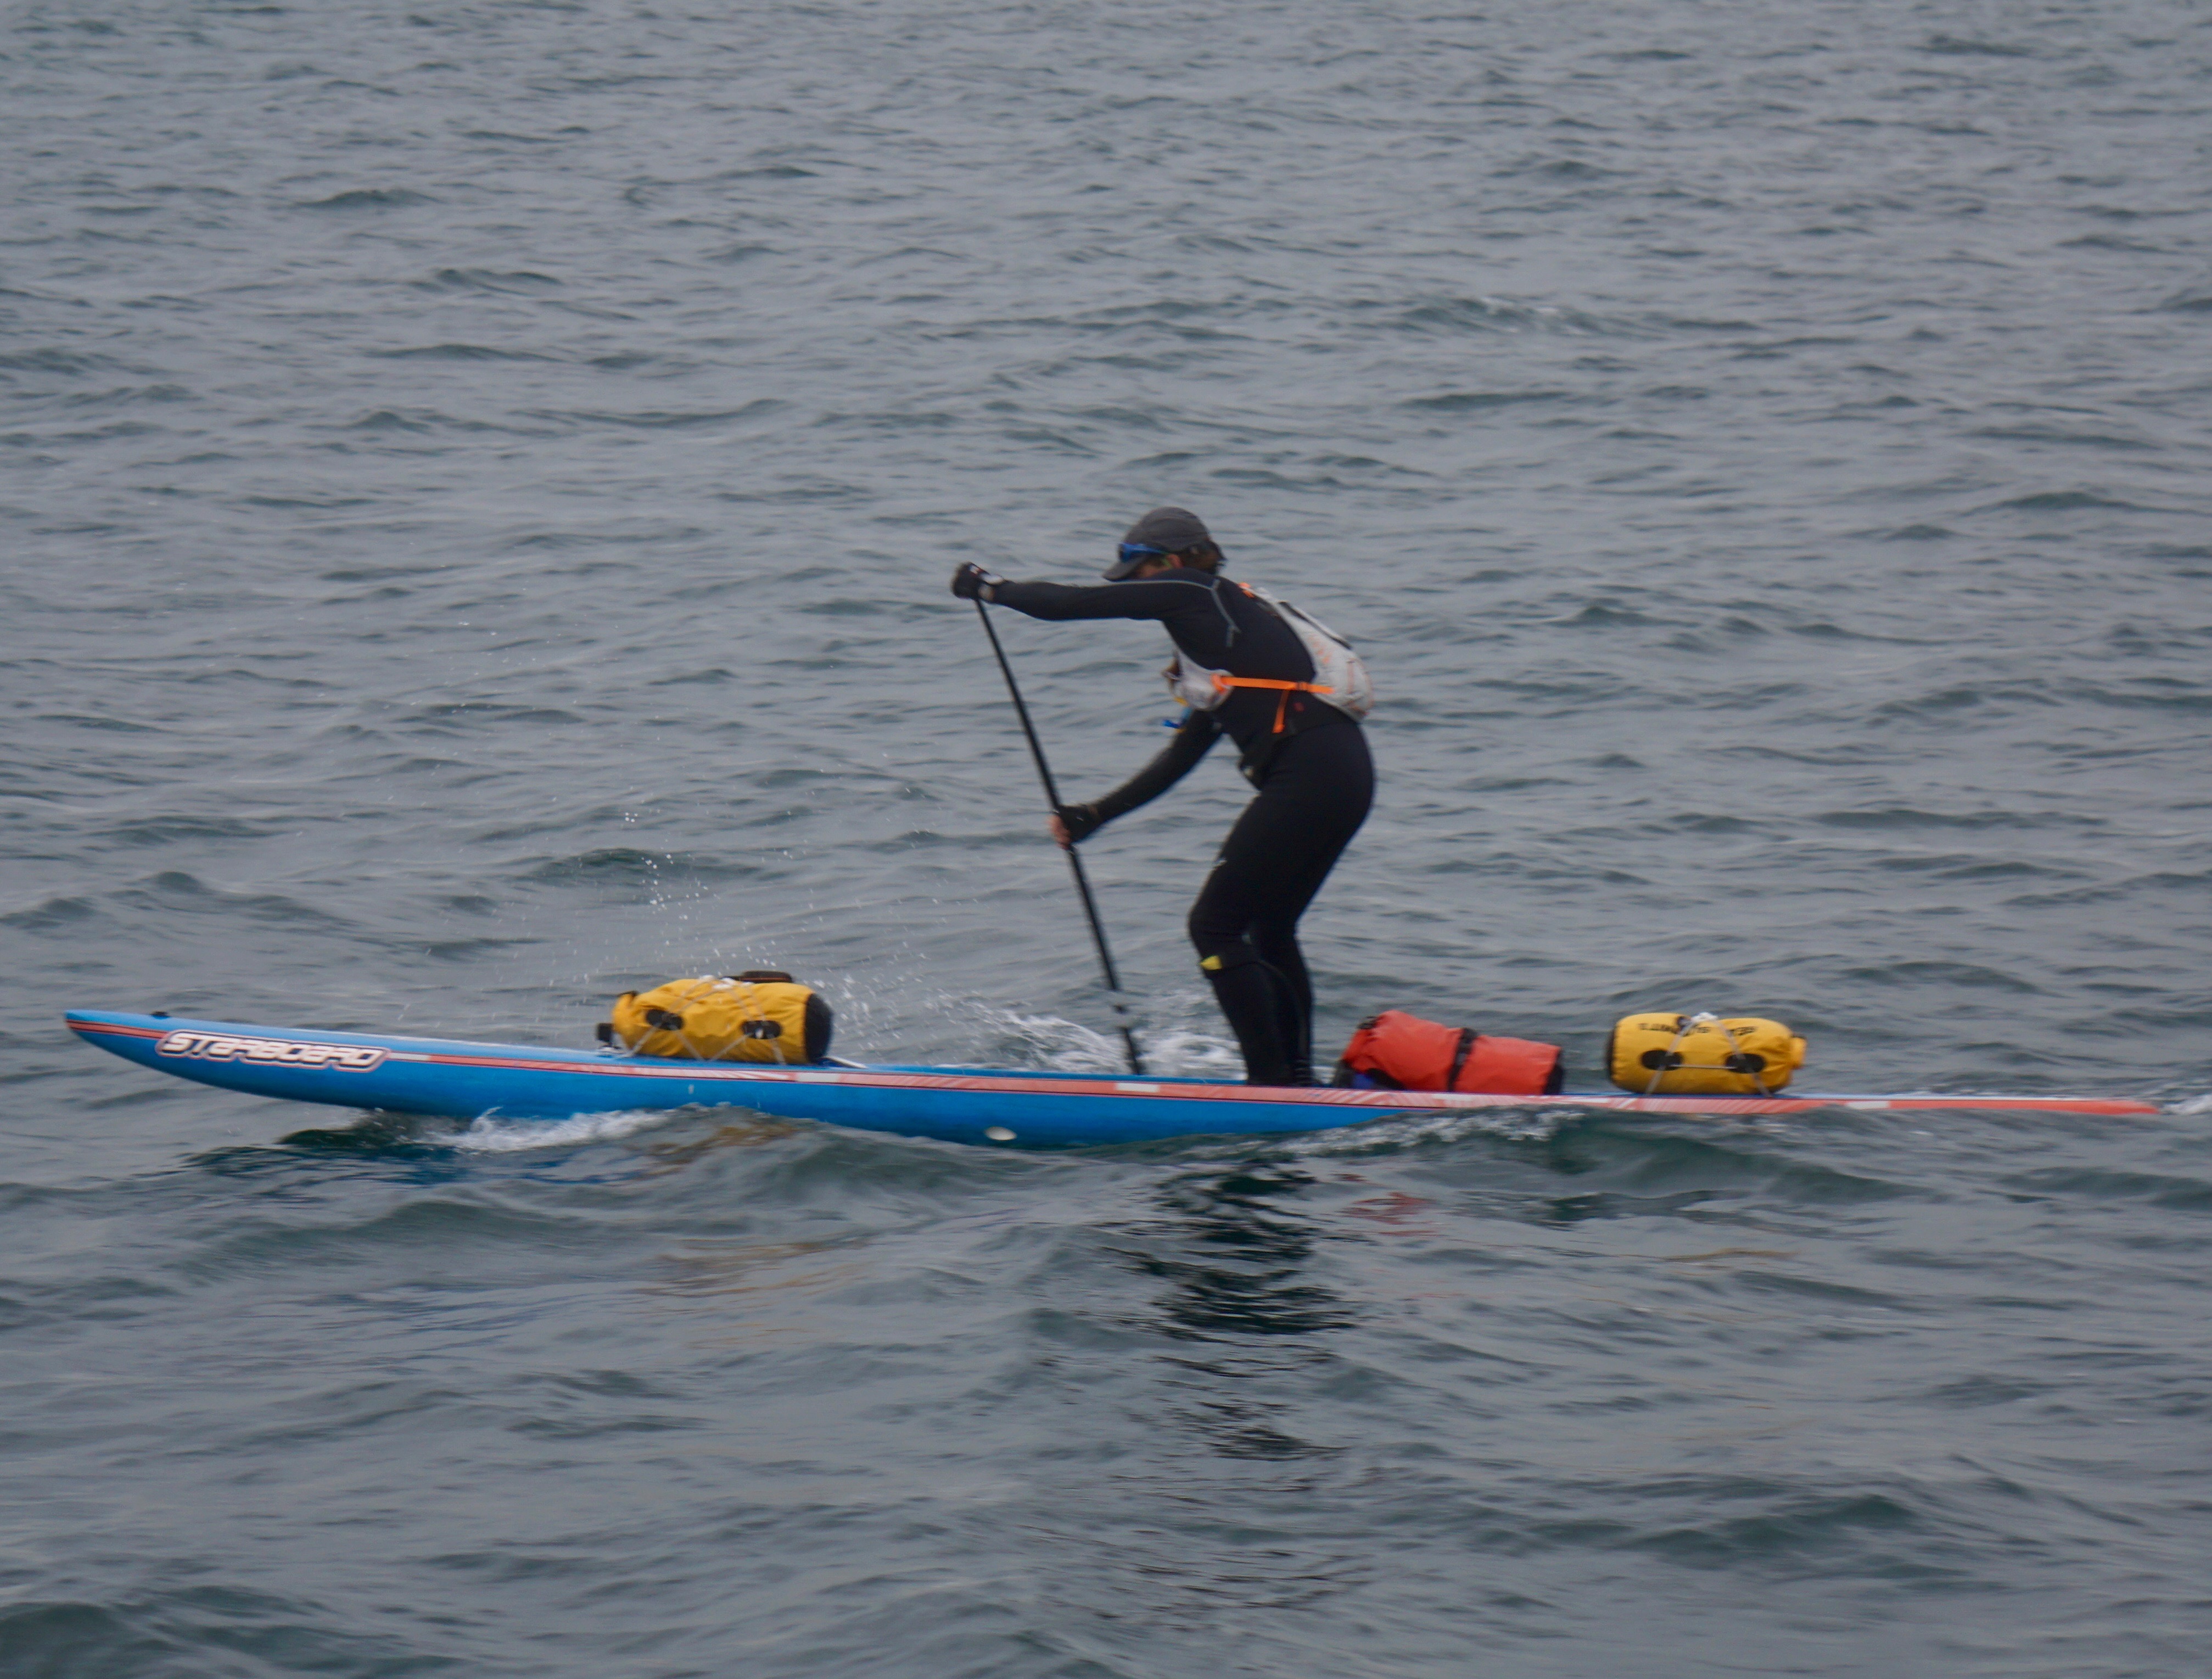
(1702, 1055)
(760, 1016)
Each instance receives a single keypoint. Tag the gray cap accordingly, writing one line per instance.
(1163, 531)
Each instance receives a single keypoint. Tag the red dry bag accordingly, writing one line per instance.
(1396, 1051)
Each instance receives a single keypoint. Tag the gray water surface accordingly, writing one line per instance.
(476, 486)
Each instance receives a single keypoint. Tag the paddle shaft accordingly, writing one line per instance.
(1075, 863)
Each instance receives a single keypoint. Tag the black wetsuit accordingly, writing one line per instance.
(1316, 783)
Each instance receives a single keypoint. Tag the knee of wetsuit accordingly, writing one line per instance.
(1220, 956)
(1217, 935)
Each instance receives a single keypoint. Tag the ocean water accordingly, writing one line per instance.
(476, 487)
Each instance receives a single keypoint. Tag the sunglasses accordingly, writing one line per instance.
(1135, 553)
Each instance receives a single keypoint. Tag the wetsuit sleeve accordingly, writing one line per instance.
(1061, 601)
(1193, 739)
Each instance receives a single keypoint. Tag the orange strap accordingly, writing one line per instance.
(1288, 688)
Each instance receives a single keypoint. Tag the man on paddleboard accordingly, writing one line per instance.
(1253, 669)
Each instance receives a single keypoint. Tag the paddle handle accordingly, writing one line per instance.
(1082, 881)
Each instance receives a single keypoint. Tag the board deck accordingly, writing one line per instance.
(468, 1081)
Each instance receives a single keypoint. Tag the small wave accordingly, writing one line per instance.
(315, 503)
(459, 353)
(2062, 434)
(1490, 314)
(1940, 704)
(369, 197)
(121, 726)
(165, 830)
(1905, 816)
(488, 280)
(2157, 694)
(625, 864)
(2062, 501)
(53, 913)
(2192, 1105)
(2115, 242)
(488, 1135)
(660, 419)
(2075, 1184)
(1956, 47)
(487, 711)
(51, 360)
(1969, 976)
(1555, 168)
(175, 892)
(390, 420)
(1462, 402)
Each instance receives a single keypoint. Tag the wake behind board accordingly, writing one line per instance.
(467, 1081)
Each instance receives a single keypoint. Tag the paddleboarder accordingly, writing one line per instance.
(1249, 668)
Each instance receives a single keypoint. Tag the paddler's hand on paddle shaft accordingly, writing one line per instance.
(1072, 824)
(971, 582)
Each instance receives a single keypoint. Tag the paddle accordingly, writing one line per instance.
(1082, 881)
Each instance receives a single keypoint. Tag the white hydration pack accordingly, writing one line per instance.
(1339, 676)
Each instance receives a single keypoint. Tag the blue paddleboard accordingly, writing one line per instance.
(469, 1081)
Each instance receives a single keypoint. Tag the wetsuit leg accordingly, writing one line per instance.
(1245, 921)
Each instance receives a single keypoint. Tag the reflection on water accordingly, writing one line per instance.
(1240, 1303)
(1237, 1257)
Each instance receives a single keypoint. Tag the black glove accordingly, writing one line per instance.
(971, 582)
(1081, 822)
